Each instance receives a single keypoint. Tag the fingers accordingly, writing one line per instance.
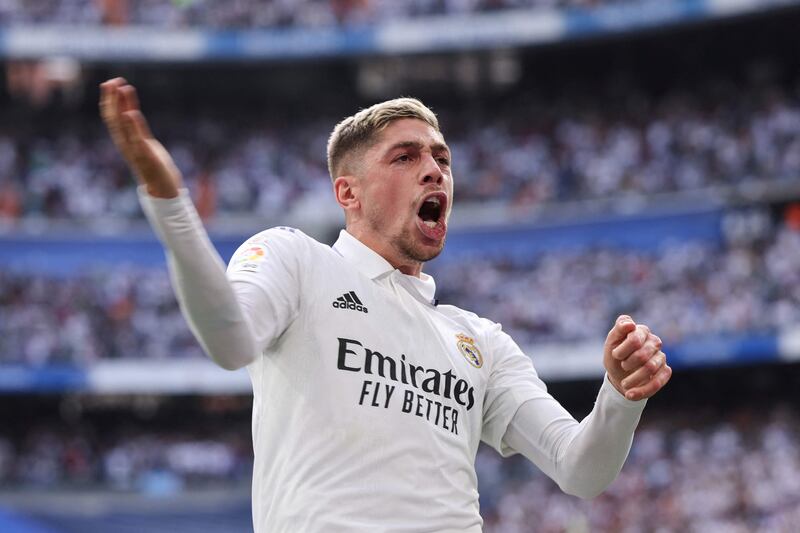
(641, 356)
(129, 105)
(129, 100)
(109, 108)
(133, 125)
(634, 361)
(652, 386)
(622, 328)
(119, 108)
(108, 96)
(117, 98)
(635, 340)
(645, 372)
(146, 157)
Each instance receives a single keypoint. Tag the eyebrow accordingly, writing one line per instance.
(435, 147)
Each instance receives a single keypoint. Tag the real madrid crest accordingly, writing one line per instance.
(466, 345)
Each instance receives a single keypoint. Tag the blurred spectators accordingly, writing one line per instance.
(696, 472)
(119, 313)
(683, 290)
(525, 152)
(123, 459)
(737, 474)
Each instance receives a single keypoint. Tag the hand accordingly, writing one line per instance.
(635, 364)
(146, 157)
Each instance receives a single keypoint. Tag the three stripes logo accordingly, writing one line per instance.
(349, 300)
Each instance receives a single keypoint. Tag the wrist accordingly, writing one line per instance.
(608, 391)
(160, 191)
(617, 384)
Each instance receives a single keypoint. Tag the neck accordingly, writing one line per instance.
(382, 247)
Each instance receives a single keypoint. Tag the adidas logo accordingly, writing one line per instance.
(349, 300)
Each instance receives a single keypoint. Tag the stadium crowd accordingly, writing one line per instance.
(697, 473)
(524, 152)
(112, 314)
(683, 290)
(248, 14)
(122, 458)
(691, 472)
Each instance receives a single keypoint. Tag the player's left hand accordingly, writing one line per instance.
(633, 359)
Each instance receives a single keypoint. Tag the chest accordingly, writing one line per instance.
(388, 316)
(380, 345)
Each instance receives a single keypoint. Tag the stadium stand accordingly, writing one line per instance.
(258, 13)
(688, 289)
(522, 152)
(717, 468)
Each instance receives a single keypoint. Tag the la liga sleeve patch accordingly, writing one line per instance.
(249, 258)
(253, 254)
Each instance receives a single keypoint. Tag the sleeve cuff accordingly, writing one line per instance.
(607, 390)
(169, 217)
(162, 206)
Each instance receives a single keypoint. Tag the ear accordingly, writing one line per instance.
(346, 190)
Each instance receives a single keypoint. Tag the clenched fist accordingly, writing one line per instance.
(633, 359)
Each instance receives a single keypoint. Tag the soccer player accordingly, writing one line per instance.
(370, 399)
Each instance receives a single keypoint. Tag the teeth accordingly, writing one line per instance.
(429, 223)
(435, 200)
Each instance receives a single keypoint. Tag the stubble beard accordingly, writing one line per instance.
(405, 243)
(411, 249)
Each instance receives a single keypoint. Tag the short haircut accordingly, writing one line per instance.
(359, 132)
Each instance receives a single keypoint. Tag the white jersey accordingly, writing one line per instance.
(370, 399)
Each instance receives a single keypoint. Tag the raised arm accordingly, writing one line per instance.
(215, 312)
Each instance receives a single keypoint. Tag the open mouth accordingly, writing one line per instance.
(430, 217)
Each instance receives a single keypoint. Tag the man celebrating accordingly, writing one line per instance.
(370, 399)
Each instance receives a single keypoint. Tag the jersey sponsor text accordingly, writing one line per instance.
(353, 356)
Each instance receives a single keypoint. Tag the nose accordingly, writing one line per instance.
(432, 172)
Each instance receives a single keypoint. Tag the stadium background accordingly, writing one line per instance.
(610, 156)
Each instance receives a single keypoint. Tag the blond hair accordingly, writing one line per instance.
(359, 132)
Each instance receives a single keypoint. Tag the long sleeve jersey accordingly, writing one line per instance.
(370, 399)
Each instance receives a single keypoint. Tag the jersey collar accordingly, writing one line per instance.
(371, 264)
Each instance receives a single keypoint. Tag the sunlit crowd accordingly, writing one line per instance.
(525, 152)
(697, 472)
(723, 473)
(683, 291)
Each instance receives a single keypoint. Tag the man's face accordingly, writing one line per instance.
(406, 191)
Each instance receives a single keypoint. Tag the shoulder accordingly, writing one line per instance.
(477, 324)
(280, 235)
(498, 344)
(282, 238)
(279, 244)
